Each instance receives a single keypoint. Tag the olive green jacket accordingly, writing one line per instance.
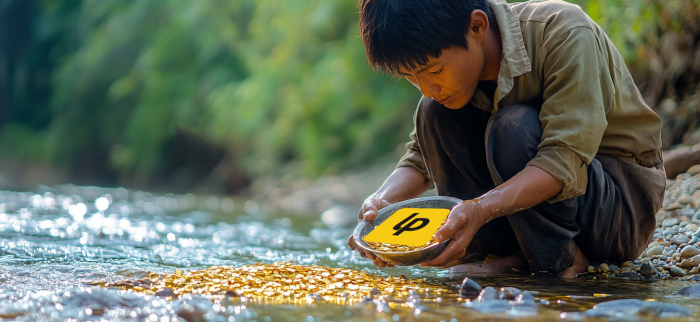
(556, 57)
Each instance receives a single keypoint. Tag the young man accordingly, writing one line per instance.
(530, 115)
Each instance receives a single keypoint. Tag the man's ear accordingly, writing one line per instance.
(478, 25)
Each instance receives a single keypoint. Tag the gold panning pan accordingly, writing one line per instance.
(401, 257)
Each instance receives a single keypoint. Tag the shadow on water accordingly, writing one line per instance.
(53, 243)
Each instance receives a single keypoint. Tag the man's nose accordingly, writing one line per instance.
(428, 88)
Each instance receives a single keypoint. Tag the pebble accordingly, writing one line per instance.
(508, 293)
(694, 170)
(680, 239)
(674, 206)
(469, 289)
(668, 222)
(629, 275)
(631, 307)
(526, 298)
(604, 268)
(689, 251)
(676, 272)
(685, 264)
(591, 269)
(685, 199)
(488, 294)
(690, 291)
(627, 264)
(656, 250)
(647, 269)
(695, 260)
(166, 292)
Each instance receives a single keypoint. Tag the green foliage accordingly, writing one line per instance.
(270, 81)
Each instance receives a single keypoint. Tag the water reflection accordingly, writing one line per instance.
(54, 241)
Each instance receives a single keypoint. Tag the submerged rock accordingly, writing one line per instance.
(690, 291)
(628, 307)
(488, 294)
(469, 289)
(508, 293)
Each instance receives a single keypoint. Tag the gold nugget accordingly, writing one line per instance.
(281, 282)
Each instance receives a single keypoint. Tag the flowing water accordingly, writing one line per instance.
(55, 241)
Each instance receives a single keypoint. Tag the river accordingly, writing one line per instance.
(56, 242)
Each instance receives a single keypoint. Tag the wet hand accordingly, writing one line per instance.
(368, 212)
(462, 223)
(370, 208)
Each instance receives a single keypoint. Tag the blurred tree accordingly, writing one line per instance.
(181, 93)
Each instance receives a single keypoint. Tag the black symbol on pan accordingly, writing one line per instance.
(400, 228)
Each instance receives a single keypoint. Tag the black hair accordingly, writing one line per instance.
(404, 33)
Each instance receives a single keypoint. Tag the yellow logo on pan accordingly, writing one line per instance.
(409, 226)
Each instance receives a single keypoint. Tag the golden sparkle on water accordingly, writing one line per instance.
(279, 282)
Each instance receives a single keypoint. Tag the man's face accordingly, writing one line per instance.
(452, 78)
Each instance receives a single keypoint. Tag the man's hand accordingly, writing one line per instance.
(462, 223)
(368, 212)
(404, 183)
(526, 189)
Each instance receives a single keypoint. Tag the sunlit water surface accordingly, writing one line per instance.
(54, 241)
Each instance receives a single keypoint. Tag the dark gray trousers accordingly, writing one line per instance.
(468, 152)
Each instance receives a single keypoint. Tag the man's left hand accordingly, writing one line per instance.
(462, 223)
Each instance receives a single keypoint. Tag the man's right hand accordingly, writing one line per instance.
(368, 212)
(403, 184)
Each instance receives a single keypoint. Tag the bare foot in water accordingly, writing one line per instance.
(504, 265)
(580, 265)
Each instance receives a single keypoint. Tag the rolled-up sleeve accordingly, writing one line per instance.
(578, 91)
(413, 157)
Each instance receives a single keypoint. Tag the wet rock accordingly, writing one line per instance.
(508, 293)
(695, 260)
(630, 275)
(629, 307)
(694, 240)
(673, 206)
(491, 306)
(685, 199)
(647, 269)
(694, 170)
(676, 272)
(685, 264)
(613, 267)
(469, 289)
(526, 298)
(656, 250)
(318, 298)
(166, 292)
(603, 267)
(661, 215)
(488, 294)
(375, 292)
(689, 251)
(626, 270)
(695, 278)
(669, 222)
(680, 239)
(690, 291)
(627, 264)
(591, 269)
